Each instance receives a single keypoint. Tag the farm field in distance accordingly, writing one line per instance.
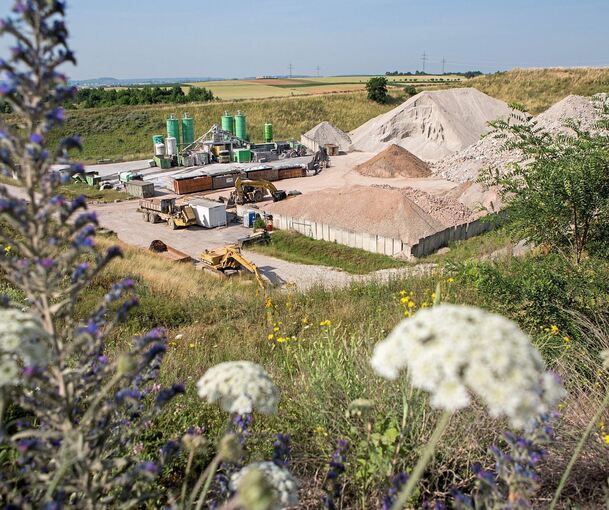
(267, 88)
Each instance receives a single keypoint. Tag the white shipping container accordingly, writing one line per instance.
(209, 214)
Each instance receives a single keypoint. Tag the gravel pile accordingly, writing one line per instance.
(387, 212)
(394, 161)
(432, 125)
(326, 133)
(467, 164)
(443, 208)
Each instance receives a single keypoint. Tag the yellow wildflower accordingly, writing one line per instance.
(403, 293)
(606, 439)
(405, 300)
(268, 303)
(270, 337)
(275, 329)
(325, 323)
(450, 280)
(191, 345)
(7, 249)
(601, 425)
(566, 339)
(554, 329)
(305, 321)
(281, 340)
(411, 304)
(433, 296)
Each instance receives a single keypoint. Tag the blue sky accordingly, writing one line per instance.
(162, 38)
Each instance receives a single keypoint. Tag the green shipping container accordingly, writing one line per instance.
(242, 155)
(163, 163)
(173, 128)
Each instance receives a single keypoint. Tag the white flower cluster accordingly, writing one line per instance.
(452, 350)
(241, 387)
(285, 486)
(23, 342)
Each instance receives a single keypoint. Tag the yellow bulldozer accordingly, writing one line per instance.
(227, 261)
(251, 191)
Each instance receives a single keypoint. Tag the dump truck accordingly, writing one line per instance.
(227, 261)
(252, 191)
(157, 210)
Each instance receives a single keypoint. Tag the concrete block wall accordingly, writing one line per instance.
(323, 232)
(384, 245)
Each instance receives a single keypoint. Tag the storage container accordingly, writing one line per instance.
(268, 174)
(224, 181)
(192, 184)
(141, 189)
(249, 218)
(291, 173)
(209, 214)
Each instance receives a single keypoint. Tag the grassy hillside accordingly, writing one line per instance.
(125, 132)
(538, 89)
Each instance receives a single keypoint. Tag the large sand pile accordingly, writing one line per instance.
(385, 212)
(489, 152)
(432, 125)
(324, 134)
(394, 161)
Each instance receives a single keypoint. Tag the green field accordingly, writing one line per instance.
(124, 132)
(258, 89)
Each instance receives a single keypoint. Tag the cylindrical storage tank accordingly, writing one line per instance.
(173, 127)
(171, 145)
(228, 123)
(157, 139)
(159, 149)
(188, 130)
(240, 126)
(268, 132)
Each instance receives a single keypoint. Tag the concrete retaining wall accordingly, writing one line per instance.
(321, 231)
(379, 244)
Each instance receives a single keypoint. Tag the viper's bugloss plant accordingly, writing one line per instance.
(76, 441)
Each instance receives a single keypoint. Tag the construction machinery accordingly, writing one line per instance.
(320, 161)
(251, 191)
(227, 261)
(156, 210)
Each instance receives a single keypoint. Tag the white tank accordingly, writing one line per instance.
(159, 149)
(172, 146)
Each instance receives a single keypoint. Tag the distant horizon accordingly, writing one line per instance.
(277, 38)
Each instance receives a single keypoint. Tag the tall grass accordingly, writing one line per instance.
(538, 89)
(125, 132)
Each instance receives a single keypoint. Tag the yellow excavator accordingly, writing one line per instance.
(251, 191)
(229, 260)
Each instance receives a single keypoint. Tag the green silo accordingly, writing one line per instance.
(188, 130)
(268, 132)
(228, 123)
(173, 128)
(240, 126)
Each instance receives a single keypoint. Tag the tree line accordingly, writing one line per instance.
(102, 97)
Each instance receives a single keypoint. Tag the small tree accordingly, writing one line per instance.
(377, 90)
(558, 194)
(410, 90)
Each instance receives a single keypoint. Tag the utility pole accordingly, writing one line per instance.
(424, 59)
(443, 65)
(291, 68)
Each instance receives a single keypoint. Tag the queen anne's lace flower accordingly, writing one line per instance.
(240, 386)
(453, 351)
(285, 486)
(23, 342)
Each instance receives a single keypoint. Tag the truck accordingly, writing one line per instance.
(157, 210)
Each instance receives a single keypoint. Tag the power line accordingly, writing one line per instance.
(424, 59)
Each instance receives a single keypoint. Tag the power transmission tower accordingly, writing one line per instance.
(443, 65)
(317, 69)
(424, 59)
(291, 68)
